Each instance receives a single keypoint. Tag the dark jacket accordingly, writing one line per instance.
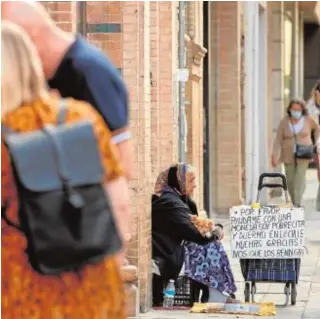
(171, 225)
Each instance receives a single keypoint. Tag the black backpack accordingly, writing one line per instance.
(64, 210)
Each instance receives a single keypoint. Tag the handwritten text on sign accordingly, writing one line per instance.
(267, 232)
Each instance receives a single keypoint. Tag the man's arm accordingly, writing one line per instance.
(110, 97)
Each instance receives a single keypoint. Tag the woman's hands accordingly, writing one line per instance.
(218, 231)
(207, 228)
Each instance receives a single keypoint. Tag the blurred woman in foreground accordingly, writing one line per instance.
(96, 291)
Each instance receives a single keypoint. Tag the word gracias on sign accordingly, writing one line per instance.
(267, 232)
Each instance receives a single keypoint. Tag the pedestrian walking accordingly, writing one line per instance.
(95, 290)
(294, 148)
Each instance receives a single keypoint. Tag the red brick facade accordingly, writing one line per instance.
(141, 39)
(226, 136)
(146, 54)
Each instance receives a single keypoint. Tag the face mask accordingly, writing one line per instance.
(296, 114)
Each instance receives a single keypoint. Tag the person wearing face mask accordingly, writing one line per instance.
(294, 148)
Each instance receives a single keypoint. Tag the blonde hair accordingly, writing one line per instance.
(22, 75)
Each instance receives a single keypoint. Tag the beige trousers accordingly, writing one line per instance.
(296, 178)
(318, 200)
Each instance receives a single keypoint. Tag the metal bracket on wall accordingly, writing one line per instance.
(82, 12)
(151, 79)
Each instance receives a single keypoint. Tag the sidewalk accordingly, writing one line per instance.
(308, 301)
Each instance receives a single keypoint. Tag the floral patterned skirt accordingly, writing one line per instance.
(210, 266)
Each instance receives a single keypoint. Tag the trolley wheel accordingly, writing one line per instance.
(247, 292)
(287, 293)
(293, 293)
(253, 291)
(232, 295)
(253, 288)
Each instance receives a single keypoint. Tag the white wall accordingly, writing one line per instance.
(255, 96)
(278, 101)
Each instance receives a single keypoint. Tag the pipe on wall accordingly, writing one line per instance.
(251, 99)
(82, 12)
(182, 115)
(248, 100)
(295, 52)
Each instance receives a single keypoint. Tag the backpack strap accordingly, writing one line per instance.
(62, 114)
(74, 198)
(5, 131)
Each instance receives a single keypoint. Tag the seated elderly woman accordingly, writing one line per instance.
(176, 239)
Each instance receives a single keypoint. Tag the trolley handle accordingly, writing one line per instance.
(262, 185)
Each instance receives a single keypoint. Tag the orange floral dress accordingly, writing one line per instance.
(98, 293)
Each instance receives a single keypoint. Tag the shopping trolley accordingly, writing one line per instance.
(271, 270)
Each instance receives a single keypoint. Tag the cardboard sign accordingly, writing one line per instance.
(267, 232)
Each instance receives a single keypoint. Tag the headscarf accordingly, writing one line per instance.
(173, 179)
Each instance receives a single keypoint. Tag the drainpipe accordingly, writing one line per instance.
(301, 56)
(255, 101)
(82, 12)
(248, 101)
(251, 100)
(295, 52)
(182, 115)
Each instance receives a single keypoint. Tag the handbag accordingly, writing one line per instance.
(302, 151)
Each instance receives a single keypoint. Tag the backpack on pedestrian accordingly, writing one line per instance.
(64, 210)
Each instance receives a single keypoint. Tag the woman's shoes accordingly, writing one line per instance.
(232, 299)
(233, 296)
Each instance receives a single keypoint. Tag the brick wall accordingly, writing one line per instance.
(141, 39)
(130, 34)
(270, 63)
(163, 58)
(104, 28)
(194, 94)
(136, 71)
(226, 104)
(64, 14)
(149, 77)
(276, 29)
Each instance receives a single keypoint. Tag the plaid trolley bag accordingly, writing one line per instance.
(271, 270)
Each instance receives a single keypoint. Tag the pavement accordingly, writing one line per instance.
(308, 299)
